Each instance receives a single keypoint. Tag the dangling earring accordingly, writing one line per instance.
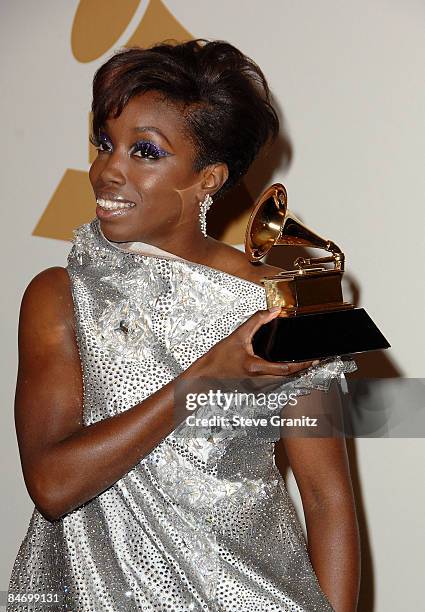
(203, 209)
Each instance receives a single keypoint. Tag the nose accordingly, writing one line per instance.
(113, 170)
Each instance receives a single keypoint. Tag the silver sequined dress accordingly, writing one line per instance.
(202, 525)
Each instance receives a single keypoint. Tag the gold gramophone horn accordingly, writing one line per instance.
(271, 223)
(314, 321)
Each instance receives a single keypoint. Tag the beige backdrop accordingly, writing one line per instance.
(348, 80)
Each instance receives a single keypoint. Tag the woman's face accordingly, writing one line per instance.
(144, 162)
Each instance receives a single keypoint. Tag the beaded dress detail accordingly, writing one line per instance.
(200, 524)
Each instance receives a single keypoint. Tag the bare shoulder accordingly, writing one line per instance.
(48, 295)
(232, 260)
(52, 282)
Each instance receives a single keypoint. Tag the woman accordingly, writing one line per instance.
(133, 513)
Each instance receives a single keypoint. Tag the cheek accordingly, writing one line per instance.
(161, 202)
(154, 184)
(94, 172)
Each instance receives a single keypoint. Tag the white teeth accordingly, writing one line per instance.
(113, 204)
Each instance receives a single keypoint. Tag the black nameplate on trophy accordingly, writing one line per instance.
(318, 335)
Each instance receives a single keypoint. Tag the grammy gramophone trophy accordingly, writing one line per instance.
(314, 322)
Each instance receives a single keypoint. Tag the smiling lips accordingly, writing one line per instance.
(114, 204)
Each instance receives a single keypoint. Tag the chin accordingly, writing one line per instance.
(116, 232)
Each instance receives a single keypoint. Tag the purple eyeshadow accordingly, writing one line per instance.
(149, 149)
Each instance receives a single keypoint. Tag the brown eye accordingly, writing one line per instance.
(101, 143)
(103, 147)
(148, 150)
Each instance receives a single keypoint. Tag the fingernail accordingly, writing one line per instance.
(274, 308)
(316, 362)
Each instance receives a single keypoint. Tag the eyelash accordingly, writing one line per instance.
(148, 149)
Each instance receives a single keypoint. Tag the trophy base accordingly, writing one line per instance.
(318, 335)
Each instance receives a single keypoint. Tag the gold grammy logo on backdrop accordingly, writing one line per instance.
(97, 26)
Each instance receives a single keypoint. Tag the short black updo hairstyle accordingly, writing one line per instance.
(224, 96)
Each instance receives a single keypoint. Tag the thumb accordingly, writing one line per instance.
(259, 318)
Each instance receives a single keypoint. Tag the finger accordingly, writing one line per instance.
(255, 321)
(293, 368)
(261, 367)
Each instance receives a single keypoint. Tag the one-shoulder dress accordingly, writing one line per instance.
(200, 524)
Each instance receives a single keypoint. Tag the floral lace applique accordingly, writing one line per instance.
(188, 486)
(87, 248)
(195, 302)
(125, 327)
(320, 377)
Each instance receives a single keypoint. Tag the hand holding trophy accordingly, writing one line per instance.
(315, 322)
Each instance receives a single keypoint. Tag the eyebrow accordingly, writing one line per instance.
(151, 128)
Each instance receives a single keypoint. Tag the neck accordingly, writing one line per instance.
(193, 246)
